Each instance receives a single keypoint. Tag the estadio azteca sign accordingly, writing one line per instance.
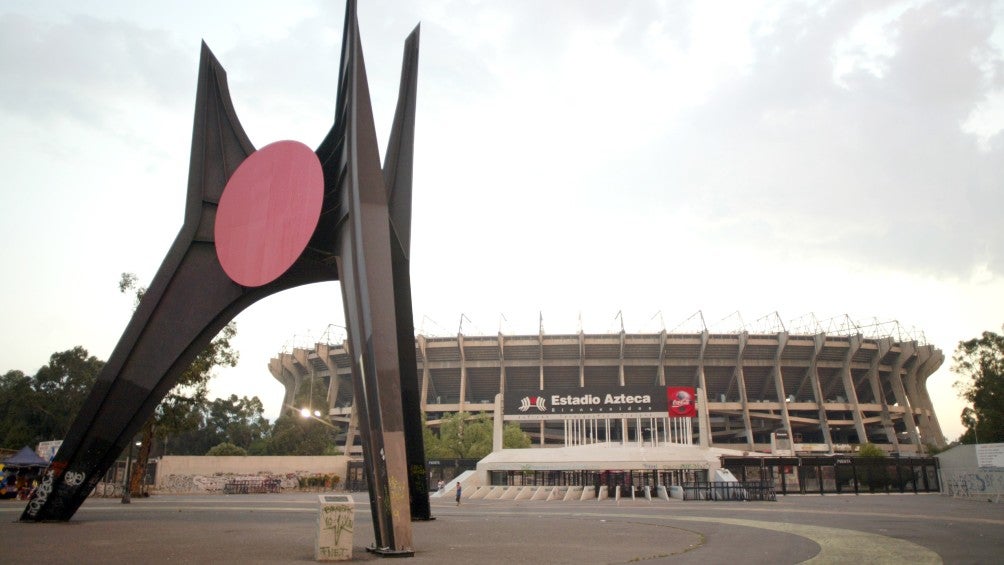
(593, 401)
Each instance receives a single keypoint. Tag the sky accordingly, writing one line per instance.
(578, 164)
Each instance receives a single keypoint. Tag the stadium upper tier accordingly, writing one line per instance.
(826, 391)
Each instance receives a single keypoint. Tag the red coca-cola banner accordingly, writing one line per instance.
(681, 401)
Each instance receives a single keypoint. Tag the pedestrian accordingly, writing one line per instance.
(458, 493)
(439, 486)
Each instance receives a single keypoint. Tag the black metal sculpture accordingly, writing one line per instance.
(256, 223)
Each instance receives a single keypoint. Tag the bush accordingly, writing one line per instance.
(227, 448)
(870, 450)
(318, 482)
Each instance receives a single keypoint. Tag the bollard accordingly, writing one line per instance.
(335, 521)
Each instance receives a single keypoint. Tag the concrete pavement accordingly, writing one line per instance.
(280, 528)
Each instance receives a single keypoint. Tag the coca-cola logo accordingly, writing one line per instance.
(681, 402)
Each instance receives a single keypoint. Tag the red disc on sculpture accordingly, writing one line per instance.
(268, 212)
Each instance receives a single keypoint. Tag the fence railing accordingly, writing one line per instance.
(715, 490)
(252, 486)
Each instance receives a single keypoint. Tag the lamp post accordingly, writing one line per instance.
(126, 494)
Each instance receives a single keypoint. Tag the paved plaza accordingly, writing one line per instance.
(280, 528)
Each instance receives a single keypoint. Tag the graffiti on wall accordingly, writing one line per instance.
(975, 484)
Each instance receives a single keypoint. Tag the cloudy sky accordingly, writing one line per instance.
(751, 161)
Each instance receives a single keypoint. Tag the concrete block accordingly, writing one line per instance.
(335, 524)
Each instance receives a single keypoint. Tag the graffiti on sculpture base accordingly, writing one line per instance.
(41, 494)
(338, 519)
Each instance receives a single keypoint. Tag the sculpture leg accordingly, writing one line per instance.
(366, 274)
(397, 173)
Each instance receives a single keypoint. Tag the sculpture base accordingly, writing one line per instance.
(388, 552)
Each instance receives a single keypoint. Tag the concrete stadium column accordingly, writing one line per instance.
(906, 352)
(852, 395)
(540, 357)
(497, 424)
(917, 403)
(932, 365)
(817, 391)
(540, 364)
(703, 419)
(353, 430)
(463, 373)
(501, 342)
(425, 372)
(620, 362)
(288, 365)
(782, 341)
(302, 357)
(582, 359)
(334, 382)
(740, 379)
(884, 345)
(288, 380)
(660, 374)
(700, 382)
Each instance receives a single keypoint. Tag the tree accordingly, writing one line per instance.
(513, 437)
(870, 451)
(18, 418)
(295, 435)
(464, 436)
(42, 407)
(979, 363)
(183, 408)
(228, 449)
(239, 421)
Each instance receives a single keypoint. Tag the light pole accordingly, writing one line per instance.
(126, 494)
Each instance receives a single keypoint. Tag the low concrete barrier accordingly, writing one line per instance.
(573, 493)
(335, 525)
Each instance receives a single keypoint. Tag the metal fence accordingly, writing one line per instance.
(716, 490)
(839, 474)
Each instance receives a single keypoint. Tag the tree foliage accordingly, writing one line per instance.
(979, 363)
(295, 435)
(513, 437)
(239, 421)
(226, 449)
(465, 436)
(41, 407)
(870, 451)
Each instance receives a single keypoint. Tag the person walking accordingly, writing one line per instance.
(458, 493)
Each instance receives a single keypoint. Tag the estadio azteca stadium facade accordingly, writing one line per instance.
(824, 392)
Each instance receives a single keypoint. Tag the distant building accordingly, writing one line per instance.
(816, 392)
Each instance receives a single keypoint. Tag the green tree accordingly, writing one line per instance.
(239, 421)
(18, 417)
(228, 449)
(979, 363)
(870, 451)
(295, 435)
(43, 406)
(465, 436)
(514, 438)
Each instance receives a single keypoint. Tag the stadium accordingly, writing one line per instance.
(825, 388)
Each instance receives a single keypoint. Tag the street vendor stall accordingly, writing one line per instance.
(20, 472)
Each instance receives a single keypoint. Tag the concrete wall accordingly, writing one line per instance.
(962, 478)
(195, 474)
